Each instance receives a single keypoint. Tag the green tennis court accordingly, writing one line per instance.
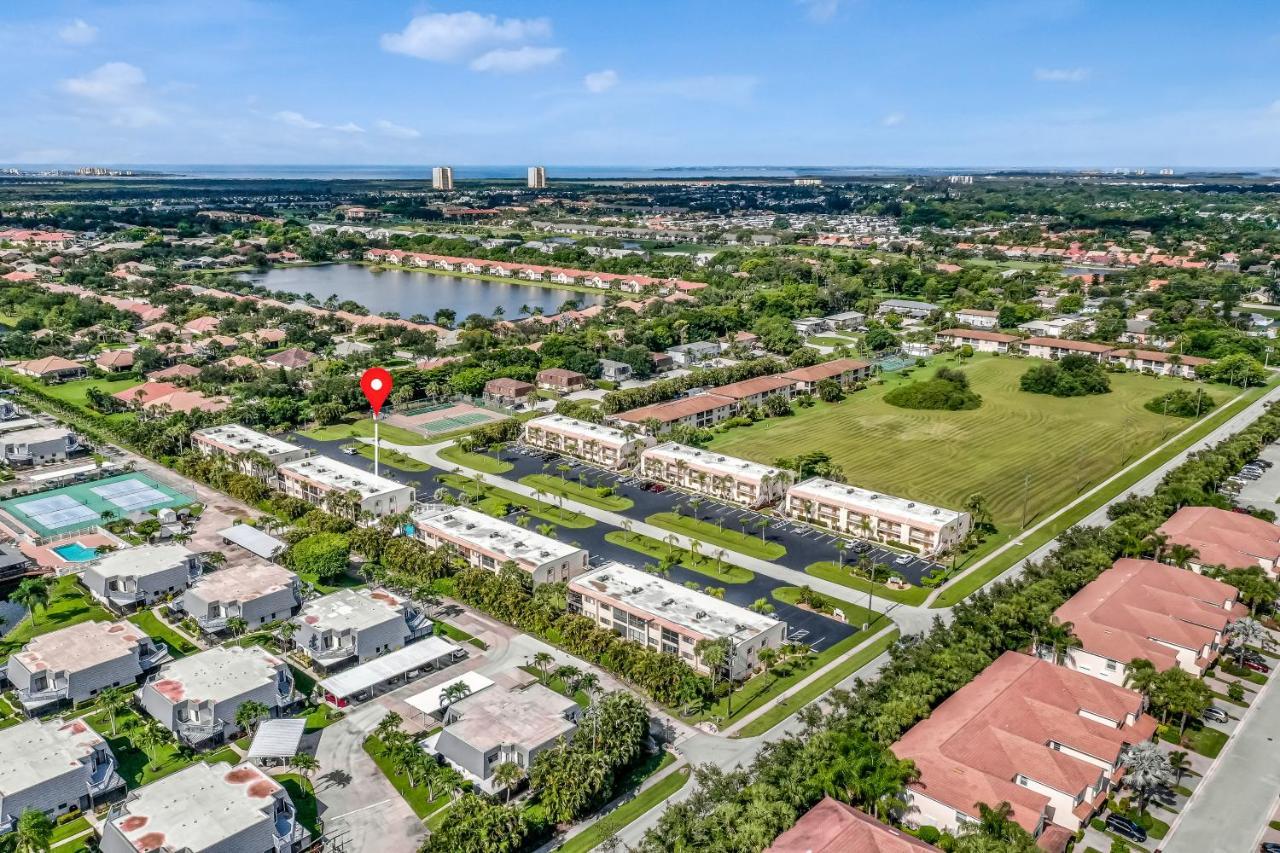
(410, 411)
(83, 504)
(455, 422)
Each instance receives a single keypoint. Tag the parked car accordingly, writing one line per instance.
(1126, 828)
(1214, 714)
(349, 449)
(1251, 655)
(1256, 667)
(902, 560)
(860, 547)
(1270, 847)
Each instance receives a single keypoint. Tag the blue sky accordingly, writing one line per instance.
(699, 82)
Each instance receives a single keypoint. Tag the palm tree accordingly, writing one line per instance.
(1147, 771)
(305, 764)
(150, 736)
(387, 725)
(33, 833)
(250, 713)
(237, 625)
(1182, 555)
(507, 774)
(454, 692)
(113, 700)
(548, 530)
(33, 594)
(1141, 676)
(1243, 633)
(543, 661)
(1179, 764)
(1057, 638)
(286, 631)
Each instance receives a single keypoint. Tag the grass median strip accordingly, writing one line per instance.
(393, 458)
(616, 820)
(734, 540)
(817, 687)
(831, 572)
(481, 462)
(575, 491)
(715, 568)
(491, 500)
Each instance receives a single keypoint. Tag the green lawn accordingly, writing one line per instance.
(179, 646)
(476, 461)
(303, 800)
(943, 457)
(828, 341)
(570, 490)
(227, 755)
(416, 797)
(832, 572)
(364, 428)
(1198, 738)
(490, 497)
(614, 821)
(69, 604)
(74, 392)
(63, 831)
(558, 685)
(854, 614)
(820, 685)
(134, 765)
(458, 635)
(734, 540)
(324, 587)
(704, 564)
(392, 458)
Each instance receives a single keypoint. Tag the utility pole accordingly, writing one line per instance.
(375, 444)
(871, 597)
(1026, 488)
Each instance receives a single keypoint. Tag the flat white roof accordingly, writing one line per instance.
(245, 582)
(78, 647)
(277, 738)
(876, 503)
(582, 430)
(351, 609)
(140, 561)
(253, 540)
(240, 439)
(37, 751)
(531, 716)
(709, 460)
(217, 674)
(68, 472)
(36, 434)
(511, 541)
(431, 700)
(367, 675)
(198, 807)
(697, 611)
(339, 475)
(17, 424)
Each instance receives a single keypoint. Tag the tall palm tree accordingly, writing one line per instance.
(1147, 771)
(548, 530)
(1056, 639)
(33, 594)
(1179, 763)
(250, 713)
(286, 631)
(1182, 555)
(113, 700)
(508, 774)
(34, 832)
(1141, 676)
(543, 661)
(305, 764)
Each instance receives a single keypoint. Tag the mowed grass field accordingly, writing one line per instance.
(1066, 445)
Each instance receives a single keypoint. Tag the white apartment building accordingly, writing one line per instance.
(980, 340)
(53, 767)
(206, 808)
(357, 625)
(489, 542)
(442, 178)
(1054, 348)
(601, 445)
(257, 454)
(671, 618)
(537, 177)
(879, 517)
(197, 697)
(257, 592)
(76, 663)
(714, 474)
(38, 445)
(140, 576)
(317, 477)
(978, 319)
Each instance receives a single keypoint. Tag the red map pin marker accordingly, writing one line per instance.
(376, 385)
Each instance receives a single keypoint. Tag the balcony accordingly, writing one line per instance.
(213, 624)
(419, 624)
(196, 731)
(44, 696)
(287, 831)
(158, 655)
(104, 777)
(331, 655)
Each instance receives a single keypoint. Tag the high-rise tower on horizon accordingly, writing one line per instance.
(537, 177)
(442, 178)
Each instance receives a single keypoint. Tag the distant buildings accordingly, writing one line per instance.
(442, 178)
(714, 474)
(53, 767)
(981, 341)
(908, 308)
(537, 178)
(488, 542)
(671, 618)
(38, 445)
(871, 515)
(978, 319)
(508, 392)
(601, 445)
(560, 380)
(315, 478)
(53, 368)
(1055, 348)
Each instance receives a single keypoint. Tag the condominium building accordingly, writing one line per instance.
(1163, 363)
(537, 177)
(489, 542)
(1220, 537)
(53, 767)
(1043, 738)
(207, 808)
(1143, 609)
(978, 318)
(669, 617)
(442, 178)
(879, 517)
(76, 663)
(255, 453)
(197, 697)
(257, 592)
(715, 474)
(1059, 347)
(843, 371)
(316, 478)
(357, 625)
(140, 576)
(981, 341)
(701, 410)
(598, 444)
(753, 392)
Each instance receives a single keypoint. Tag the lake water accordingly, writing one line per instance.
(416, 292)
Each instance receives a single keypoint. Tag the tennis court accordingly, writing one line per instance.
(440, 418)
(80, 504)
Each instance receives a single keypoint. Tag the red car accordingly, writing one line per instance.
(1257, 667)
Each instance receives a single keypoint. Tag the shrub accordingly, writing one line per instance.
(929, 834)
(948, 390)
(324, 555)
(1073, 376)
(1181, 403)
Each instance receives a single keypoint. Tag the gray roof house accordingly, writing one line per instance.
(53, 767)
(698, 351)
(39, 445)
(139, 576)
(78, 662)
(614, 371)
(906, 308)
(197, 697)
(357, 625)
(256, 592)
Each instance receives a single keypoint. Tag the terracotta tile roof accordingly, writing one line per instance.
(826, 370)
(835, 827)
(114, 358)
(178, 371)
(48, 364)
(674, 410)
(508, 386)
(751, 387)
(1224, 538)
(1162, 357)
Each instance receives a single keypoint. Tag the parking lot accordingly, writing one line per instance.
(805, 545)
(1263, 491)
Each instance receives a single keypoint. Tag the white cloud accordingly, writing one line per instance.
(396, 130)
(1062, 75)
(349, 127)
(513, 61)
(600, 81)
(78, 32)
(295, 119)
(457, 36)
(893, 119)
(820, 10)
(118, 91)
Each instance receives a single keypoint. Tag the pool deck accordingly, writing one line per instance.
(47, 558)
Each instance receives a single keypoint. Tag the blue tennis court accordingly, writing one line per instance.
(81, 504)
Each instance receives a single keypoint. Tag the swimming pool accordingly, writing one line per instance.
(74, 552)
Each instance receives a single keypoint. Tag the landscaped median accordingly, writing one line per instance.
(598, 497)
(415, 795)
(492, 499)
(695, 528)
(393, 458)
(845, 576)
(363, 428)
(481, 462)
(713, 567)
(613, 823)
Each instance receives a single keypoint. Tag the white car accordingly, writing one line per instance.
(902, 560)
